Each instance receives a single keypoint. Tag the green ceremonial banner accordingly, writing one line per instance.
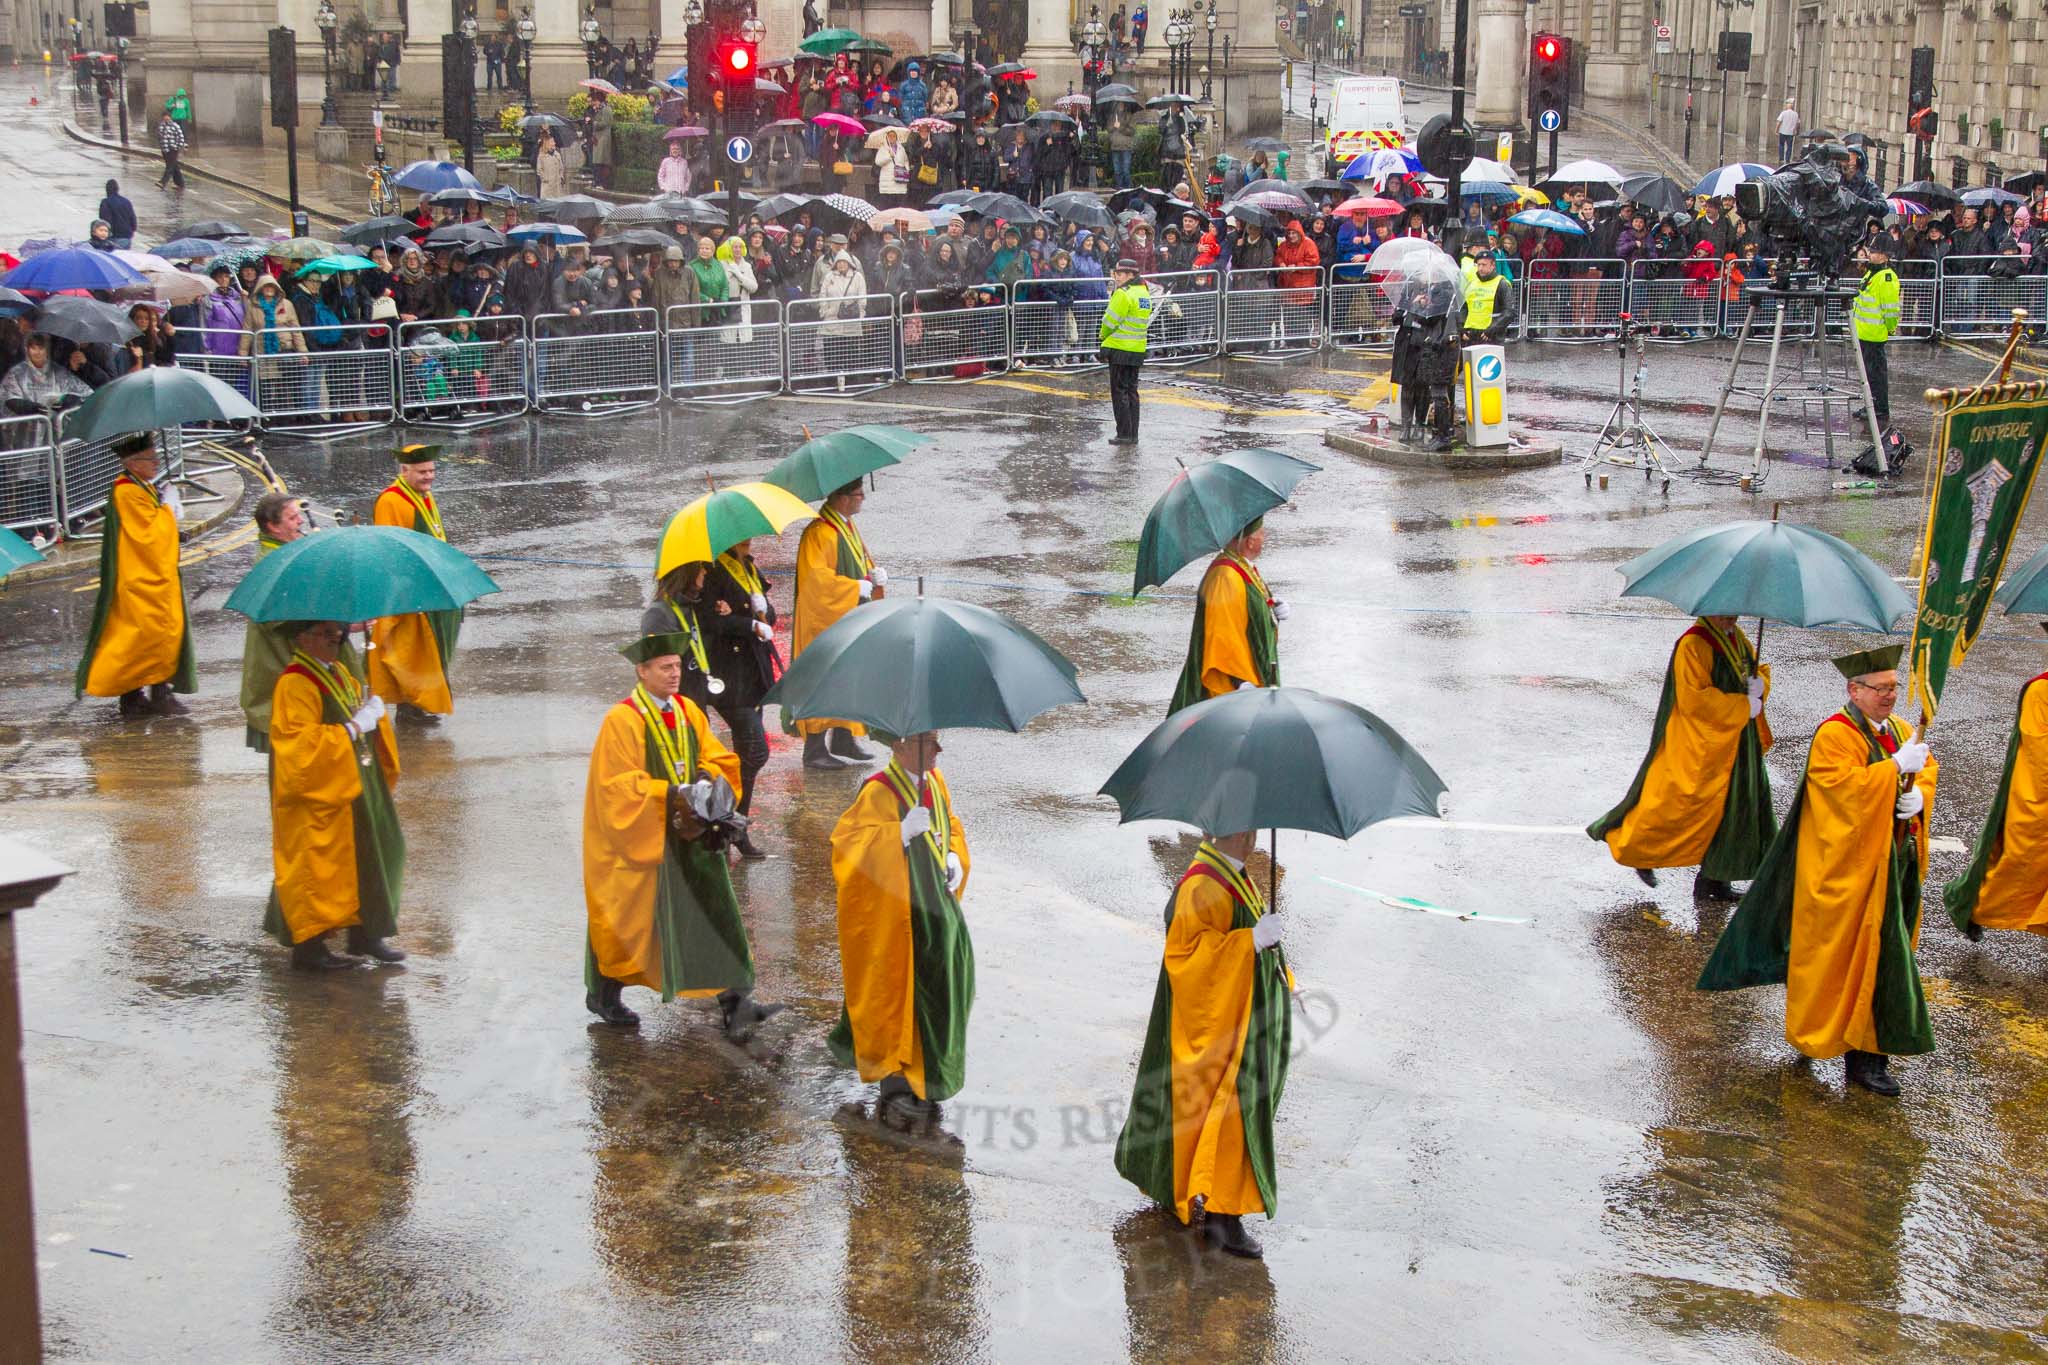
(1986, 457)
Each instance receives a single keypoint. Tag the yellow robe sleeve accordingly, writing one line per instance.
(822, 596)
(625, 826)
(145, 625)
(405, 663)
(315, 778)
(712, 755)
(1838, 901)
(1210, 967)
(393, 510)
(1226, 648)
(1685, 791)
(875, 958)
(2015, 890)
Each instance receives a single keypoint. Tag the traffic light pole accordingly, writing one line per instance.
(1452, 188)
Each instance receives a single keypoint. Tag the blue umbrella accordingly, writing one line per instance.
(534, 232)
(1991, 194)
(1722, 180)
(679, 78)
(72, 267)
(1386, 161)
(1552, 219)
(430, 176)
(190, 249)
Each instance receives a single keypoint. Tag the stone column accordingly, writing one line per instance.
(1500, 29)
(558, 53)
(1247, 87)
(1049, 47)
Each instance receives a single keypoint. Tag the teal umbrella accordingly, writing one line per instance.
(1274, 758)
(926, 663)
(828, 41)
(16, 552)
(160, 396)
(358, 573)
(2025, 590)
(824, 463)
(334, 265)
(1205, 507)
(1770, 569)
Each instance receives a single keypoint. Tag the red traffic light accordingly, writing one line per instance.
(1548, 49)
(739, 61)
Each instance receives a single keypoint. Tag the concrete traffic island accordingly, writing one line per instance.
(1381, 444)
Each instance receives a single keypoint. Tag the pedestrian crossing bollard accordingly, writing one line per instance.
(1486, 396)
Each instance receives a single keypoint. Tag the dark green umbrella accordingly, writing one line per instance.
(824, 463)
(828, 41)
(926, 663)
(160, 396)
(1204, 508)
(2025, 590)
(1274, 758)
(358, 573)
(15, 552)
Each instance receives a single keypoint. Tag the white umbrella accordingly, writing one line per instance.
(142, 260)
(1485, 169)
(1722, 180)
(1428, 284)
(1583, 173)
(1388, 257)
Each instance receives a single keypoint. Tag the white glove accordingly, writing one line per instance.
(759, 602)
(367, 715)
(1280, 611)
(173, 500)
(1911, 757)
(955, 873)
(1247, 687)
(867, 589)
(1756, 706)
(764, 630)
(878, 576)
(919, 821)
(1911, 803)
(1266, 932)
(700, 791)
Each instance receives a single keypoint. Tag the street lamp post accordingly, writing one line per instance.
(468, 28)
(327, 20)
(121, 84)
(525, 30)
(591, 32)
(1209, 21)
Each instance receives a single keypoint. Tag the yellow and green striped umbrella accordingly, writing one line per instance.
(716, 522)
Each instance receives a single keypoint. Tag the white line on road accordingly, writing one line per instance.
(1481, 826)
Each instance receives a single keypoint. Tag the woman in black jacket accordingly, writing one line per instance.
(739, 625)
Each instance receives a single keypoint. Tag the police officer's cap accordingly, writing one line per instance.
(1127, 265)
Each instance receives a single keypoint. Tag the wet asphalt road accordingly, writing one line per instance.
(1499, 1142)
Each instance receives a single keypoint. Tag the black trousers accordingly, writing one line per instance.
(750, 742)
(1879, 371)
(1123, 397)
(172, 171)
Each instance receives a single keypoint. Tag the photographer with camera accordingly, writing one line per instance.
(658, 814)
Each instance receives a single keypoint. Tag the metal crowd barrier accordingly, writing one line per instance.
(1676, 300)
(724, 352)
(1361, 314)
(1187, 319)
(842, 345)
(1975, 303)
(1051, 328)
(462, 373)
(28, 474)
(1266, 320)
(227, 364)
(599, 364)
(306, 388)
(1919, 297)
(1566, 304)
(954, 345)
(86, 471)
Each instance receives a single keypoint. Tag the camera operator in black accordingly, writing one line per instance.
(1426, 337)
(740, 622)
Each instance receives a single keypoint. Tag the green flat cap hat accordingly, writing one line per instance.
(654, 646)
(416, 454)
(1883, 659)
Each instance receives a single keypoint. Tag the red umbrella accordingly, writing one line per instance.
(1025, 75)
(1371, 205)
(840, 123)
(600, 86)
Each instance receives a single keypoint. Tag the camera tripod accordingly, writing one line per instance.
(1626, 439)
(1813, 381)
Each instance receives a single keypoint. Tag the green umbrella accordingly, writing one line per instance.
(824, 463)
(1204, 508)
(358, 573)
(1274, 758)
(1772, 570)
(869, 45)
(2025, 590)
(828, 41)
(16, 552)
(300, 249)
(926, 663)
(160, 396)
(334, 265)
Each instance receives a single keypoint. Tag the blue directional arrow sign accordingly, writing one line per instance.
(738, 150)
(1489, 368)
(1549, 120)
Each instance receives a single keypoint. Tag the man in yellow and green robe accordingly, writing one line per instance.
(659, 899)
(2006, 886)
(267, 647)
(1199, 1136)
(1235, 641)
(336, 849)
(139, 647)
(834, 574)
(1834, 912)
(410, 655)
(899, 857)
(1701, 797)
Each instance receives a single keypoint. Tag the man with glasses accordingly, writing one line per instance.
(1834, 912)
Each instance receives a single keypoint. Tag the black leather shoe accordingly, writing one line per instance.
(840, 742)
(1647, 876)
(363, 945)
(1225, 1232)
(816, 755)
(134, 703)
(1705, 888)
(607, 1006)
(1974, 932)
(1872, 1071)
(741, 1012)
(748, 850)
(313, 956)
(164, 702)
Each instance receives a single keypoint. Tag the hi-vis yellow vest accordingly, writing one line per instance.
(1479, 300)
